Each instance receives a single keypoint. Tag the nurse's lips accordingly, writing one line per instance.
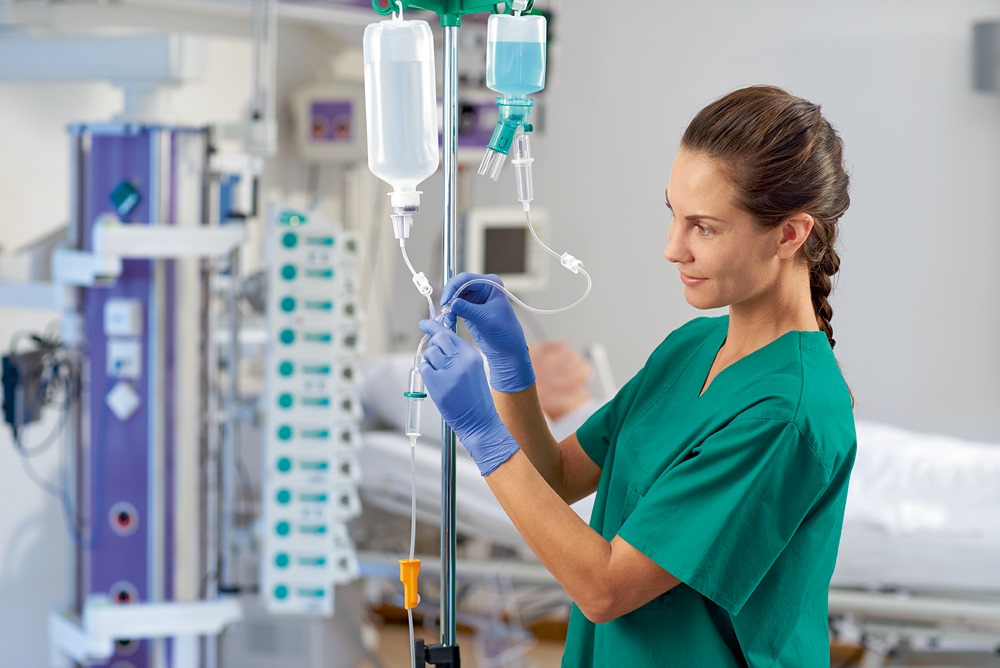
(691, 281)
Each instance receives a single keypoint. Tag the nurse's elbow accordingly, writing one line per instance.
(599, 609)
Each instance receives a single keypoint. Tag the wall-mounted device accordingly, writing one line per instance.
(497, 240)
(330, 123)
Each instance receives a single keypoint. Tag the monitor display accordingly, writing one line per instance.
(506, 250)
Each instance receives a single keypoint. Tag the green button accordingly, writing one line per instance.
(281, 592)
(293, 218)
(281, 561)
(287, 336)
(315, 401)
(283, 528)
(284, 432)
(288, 272)
(284, 464)
(285, 401)
(312, 561)
(316, 530)
(286, 368)
(289, 240)
(288, 304)
(284, 496)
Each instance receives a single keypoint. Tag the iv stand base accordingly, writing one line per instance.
(435, 655)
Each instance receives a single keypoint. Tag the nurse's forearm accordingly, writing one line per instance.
(605, 579)
(522, 413)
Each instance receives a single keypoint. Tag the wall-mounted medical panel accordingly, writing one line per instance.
(313, 408)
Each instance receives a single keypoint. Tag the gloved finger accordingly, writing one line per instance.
(477, 293)
(454, 284)
(449, 319)
(465, 310)
(441, 337)
(435, 358)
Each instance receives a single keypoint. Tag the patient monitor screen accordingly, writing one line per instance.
(506, 250)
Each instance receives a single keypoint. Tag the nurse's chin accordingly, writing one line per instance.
(703, 302)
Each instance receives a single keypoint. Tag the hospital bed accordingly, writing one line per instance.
(919, 559)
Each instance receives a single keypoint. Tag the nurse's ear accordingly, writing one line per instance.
(793, 232)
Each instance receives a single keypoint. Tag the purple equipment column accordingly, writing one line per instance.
(128, 556)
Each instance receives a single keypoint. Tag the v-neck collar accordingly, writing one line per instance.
(712, 346)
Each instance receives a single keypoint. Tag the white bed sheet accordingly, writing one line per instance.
(870, 558)
(907, 482)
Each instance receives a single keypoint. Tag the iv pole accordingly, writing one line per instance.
(451, 12)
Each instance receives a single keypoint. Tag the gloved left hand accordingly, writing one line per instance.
(454, 376)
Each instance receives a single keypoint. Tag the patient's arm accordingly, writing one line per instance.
(565, 466)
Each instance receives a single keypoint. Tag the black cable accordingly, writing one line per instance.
(40, 401)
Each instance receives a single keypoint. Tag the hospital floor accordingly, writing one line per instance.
(393, 652)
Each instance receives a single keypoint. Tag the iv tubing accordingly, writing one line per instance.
(416, 277)
(413, 530)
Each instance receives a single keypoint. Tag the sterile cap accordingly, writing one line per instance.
(405, 199)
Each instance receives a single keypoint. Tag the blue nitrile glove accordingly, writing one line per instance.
(453, 374)
(490, 317)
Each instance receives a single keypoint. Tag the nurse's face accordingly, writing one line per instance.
(724, 257)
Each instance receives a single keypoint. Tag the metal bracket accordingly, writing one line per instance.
(115, 242)
(435, 655)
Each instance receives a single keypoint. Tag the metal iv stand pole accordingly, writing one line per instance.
(451, 11)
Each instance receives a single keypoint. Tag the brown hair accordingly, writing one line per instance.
(784, 158)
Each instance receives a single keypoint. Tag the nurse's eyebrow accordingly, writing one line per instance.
(694, 218)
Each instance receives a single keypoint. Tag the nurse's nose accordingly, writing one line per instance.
(676, 250)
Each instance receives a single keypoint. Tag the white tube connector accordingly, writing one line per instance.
(404, 204)
(423, 285)
(571, 263)
(519, 6)
(401, 224)
(522, 161)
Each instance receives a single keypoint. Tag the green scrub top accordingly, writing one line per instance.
(739, 493)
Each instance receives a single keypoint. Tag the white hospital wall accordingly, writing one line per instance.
(916, 306)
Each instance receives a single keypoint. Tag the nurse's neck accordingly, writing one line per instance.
(755, 323)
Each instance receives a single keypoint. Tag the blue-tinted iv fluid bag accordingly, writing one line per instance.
(515, 68)
(401, 106)
(515, 55)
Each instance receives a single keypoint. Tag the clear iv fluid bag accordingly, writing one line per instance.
(515, 54)
(401, 102)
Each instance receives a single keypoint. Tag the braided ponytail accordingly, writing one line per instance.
(820, 286)
(784, 158)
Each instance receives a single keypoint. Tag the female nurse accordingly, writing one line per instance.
(721, 468)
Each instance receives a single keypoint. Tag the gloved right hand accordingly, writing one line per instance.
(453, 374)
(490, 318)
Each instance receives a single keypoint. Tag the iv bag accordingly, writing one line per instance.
(401, 103)
(515, 55)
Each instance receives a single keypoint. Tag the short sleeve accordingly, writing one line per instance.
(718, 520)
(597, 433)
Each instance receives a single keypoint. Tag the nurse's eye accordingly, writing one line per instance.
(704, 230)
